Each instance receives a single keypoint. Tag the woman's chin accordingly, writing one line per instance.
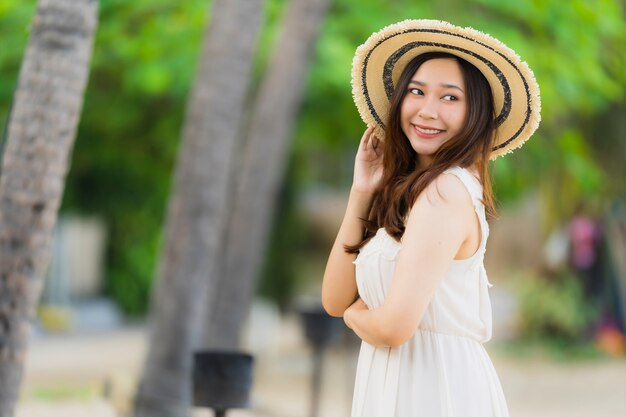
(425, 149)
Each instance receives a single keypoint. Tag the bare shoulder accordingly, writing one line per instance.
(448, 190)
(442, 212)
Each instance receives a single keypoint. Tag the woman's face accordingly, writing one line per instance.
(434, 107)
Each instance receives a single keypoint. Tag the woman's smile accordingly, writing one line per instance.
(427, 132)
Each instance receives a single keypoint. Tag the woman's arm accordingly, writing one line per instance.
(439, 222)
(339, 285)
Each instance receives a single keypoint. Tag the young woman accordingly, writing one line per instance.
(406, 270)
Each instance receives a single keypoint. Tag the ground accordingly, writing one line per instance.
(93, 374)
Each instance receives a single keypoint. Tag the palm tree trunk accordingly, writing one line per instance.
(40, 136)
(197, 211)
(262, 172)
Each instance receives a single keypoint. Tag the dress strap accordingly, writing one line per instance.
(475, 190)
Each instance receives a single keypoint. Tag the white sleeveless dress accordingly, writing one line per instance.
(443, 370)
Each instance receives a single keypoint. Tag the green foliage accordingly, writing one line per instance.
(558, 349)
(553, 308)
(15, 18)
(82, 393)
(144, 61)
(574, 49)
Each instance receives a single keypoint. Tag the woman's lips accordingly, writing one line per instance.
(426, 132)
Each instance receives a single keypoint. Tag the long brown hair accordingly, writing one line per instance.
(403, 179)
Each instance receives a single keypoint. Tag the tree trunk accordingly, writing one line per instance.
(197, 211)
(41, 132)
(262, 172)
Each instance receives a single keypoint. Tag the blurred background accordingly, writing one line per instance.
(557, 252)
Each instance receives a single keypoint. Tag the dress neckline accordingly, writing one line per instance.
(383, 232)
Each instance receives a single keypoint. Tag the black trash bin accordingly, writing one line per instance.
(222, 380)
(320, 329)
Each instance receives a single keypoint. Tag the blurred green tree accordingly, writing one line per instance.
(144, 57)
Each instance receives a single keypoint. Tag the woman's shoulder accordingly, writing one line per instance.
(446, 202)
(468, 177)
(464, 173)
(450, 187)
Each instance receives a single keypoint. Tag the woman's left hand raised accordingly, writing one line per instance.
(368, 164)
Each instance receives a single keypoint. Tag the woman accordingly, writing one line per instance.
(440, 102)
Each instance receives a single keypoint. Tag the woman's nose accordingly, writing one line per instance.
(428, 110)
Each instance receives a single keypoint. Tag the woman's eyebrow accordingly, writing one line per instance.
(445, 85)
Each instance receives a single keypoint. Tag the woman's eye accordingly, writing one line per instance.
(416, 91)
(450, 97)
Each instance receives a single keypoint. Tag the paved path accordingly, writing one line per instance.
(61, 368)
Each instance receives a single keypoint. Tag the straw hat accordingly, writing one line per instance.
(378, 63)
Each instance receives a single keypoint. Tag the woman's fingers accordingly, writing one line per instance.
(368, 161)
(370, 141)
(365, 139)
(375, 144)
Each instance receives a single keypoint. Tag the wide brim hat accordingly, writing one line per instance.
(378, 63)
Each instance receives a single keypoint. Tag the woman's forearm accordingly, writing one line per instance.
(384, 326)
(369, 325)
(339, 284)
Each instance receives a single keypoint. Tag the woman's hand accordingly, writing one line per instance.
(368, 164)
(358, 305)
